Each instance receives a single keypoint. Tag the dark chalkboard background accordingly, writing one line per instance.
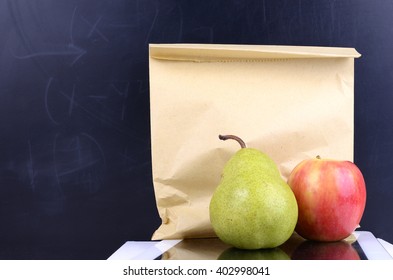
(75, 169)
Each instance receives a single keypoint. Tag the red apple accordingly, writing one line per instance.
(331, 197)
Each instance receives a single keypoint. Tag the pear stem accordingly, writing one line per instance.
(233, 137)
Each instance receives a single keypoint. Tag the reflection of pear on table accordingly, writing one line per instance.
(196, 249)
(260, 254)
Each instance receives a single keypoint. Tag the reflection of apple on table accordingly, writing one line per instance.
(314, 250)
(299, 248)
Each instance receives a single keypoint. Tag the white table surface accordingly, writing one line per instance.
(388, 246)
(150, 250)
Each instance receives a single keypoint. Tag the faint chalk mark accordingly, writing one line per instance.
(123, 111)
(71, 50)
(82, 52)
(94, 29)
(17, 19)
(77, 169)
(30, 167)
(72, 25)
(98, 97)
(180, 34)
(76, 165)
(92, 113)
(91, 138)
(124, 94)
(131, 162)
(79, 150)
(57, 176)
(48, 84)
(71, 101)
(153, 23)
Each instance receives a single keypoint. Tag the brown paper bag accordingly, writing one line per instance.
(292, 103)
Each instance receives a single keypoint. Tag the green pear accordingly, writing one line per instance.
(252, 207)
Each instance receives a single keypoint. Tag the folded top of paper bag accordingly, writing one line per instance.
(217, 52)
